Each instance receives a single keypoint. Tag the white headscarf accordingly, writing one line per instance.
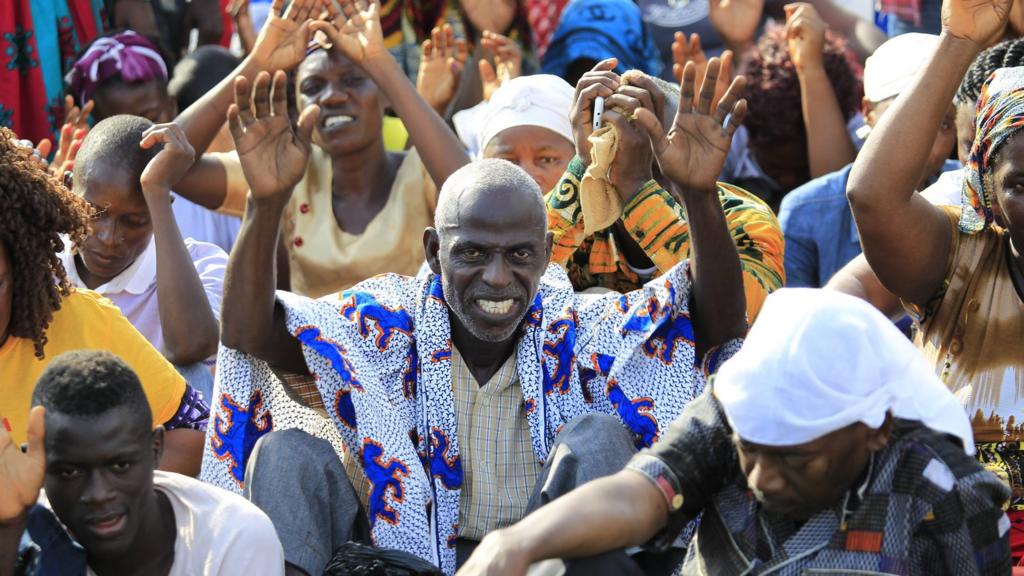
(817, 361)
(539, 100)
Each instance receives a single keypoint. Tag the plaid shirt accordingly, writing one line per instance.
(658, 224)
(498, 464)
(925, 507)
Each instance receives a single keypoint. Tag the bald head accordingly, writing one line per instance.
(490, 244)
(492, 186)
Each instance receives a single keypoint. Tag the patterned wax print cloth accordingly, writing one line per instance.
(381, 355)
(39, 40)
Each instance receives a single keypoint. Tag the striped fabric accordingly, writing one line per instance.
(498, 463)
(656, 221)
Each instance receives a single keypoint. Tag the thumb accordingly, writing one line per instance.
(325, 27)
(35, 433)
(307, 122)
(652, 126)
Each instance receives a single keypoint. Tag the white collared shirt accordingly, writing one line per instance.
(134, 290)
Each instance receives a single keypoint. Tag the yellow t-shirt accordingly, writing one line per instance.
(85, 321)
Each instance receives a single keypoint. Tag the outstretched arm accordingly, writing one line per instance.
(186, 320)
(274, 157)
(905, 238)
(691, 155)
(356, 31)
(829, 147)
(21, 475)
(858, 279)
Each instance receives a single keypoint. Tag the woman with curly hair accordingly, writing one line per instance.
(40, 318)
(801, 92)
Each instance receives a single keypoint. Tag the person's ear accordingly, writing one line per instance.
(549, 243)
(158, 445)
(432, 249)
(865, 107)
(879, 437)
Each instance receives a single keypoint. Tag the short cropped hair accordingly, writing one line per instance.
(89, 383)
(199, 72)
(115, 141)
(482, 175)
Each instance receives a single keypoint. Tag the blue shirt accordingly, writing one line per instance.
(821, 236)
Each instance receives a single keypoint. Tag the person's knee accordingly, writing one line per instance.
(595, 430)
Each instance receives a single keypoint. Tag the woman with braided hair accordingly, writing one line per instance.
(42, 316)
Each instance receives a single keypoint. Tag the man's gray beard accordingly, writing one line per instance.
(455, 305)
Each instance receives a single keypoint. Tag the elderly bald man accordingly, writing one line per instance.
(487, 388)
(826, 445)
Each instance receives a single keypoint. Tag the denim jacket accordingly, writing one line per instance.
(46, 549)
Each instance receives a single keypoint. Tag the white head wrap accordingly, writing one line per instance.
(817, 361)
(540, 100)
(893, 66)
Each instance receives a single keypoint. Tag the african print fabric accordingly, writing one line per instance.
(381, 356)
(1000, 116)
(39, 40)
(923, 506)
(656, 221)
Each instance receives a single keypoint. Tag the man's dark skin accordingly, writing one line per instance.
(99, 481)
(274, 158)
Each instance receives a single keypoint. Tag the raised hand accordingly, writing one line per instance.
(684, 51)
(442, 58)
(21, 473)
(508, 62)
(273, 153)
(736, 21)
(355, 29)
(171, 163)
(632, 166)
(239, 11)
(600, 81)
(980, 21)
(282, 42)
(805, 36)
(694, 150)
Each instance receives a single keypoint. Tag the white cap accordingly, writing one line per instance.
(894, 65)
(817, 361)
(539, 100)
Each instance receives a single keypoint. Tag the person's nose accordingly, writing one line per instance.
(104, 230)
(497, 273)
(97, 489)
(765, 478)
(334, 95)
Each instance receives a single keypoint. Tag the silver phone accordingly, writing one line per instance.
(598, 111)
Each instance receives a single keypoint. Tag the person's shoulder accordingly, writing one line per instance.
(830, 188)
(932, 464)
(82, 305)
(199, 250)
(234, 513)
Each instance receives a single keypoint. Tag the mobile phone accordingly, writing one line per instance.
(598, 111)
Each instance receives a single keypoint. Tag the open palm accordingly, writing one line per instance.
(282, 42)
(694, 150)
(977, 20)
(21, 474)
(273, 153)
(736, 21)
(355, 29)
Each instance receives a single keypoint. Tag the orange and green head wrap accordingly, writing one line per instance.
(1000, 116)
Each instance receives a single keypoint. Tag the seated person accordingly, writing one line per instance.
(826, 445)
(169, 288)
(816, 218)
(360, 210)
(42, 315)
(450, 393)
(653, 232)
(106, 508)
(957, 272)
(787, 140)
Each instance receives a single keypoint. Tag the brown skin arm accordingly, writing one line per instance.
(906, 239)
(189, 327)
(183, 451)
(632, 511)
(274, 157)
(691, 155)
(21, 475)
(829, 147)
(858, 279)
(281, 45)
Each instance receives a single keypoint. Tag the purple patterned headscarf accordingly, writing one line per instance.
(128, 54)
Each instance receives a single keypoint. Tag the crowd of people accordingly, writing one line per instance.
(310, 287)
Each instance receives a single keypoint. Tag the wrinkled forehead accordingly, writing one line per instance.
(493, 207)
